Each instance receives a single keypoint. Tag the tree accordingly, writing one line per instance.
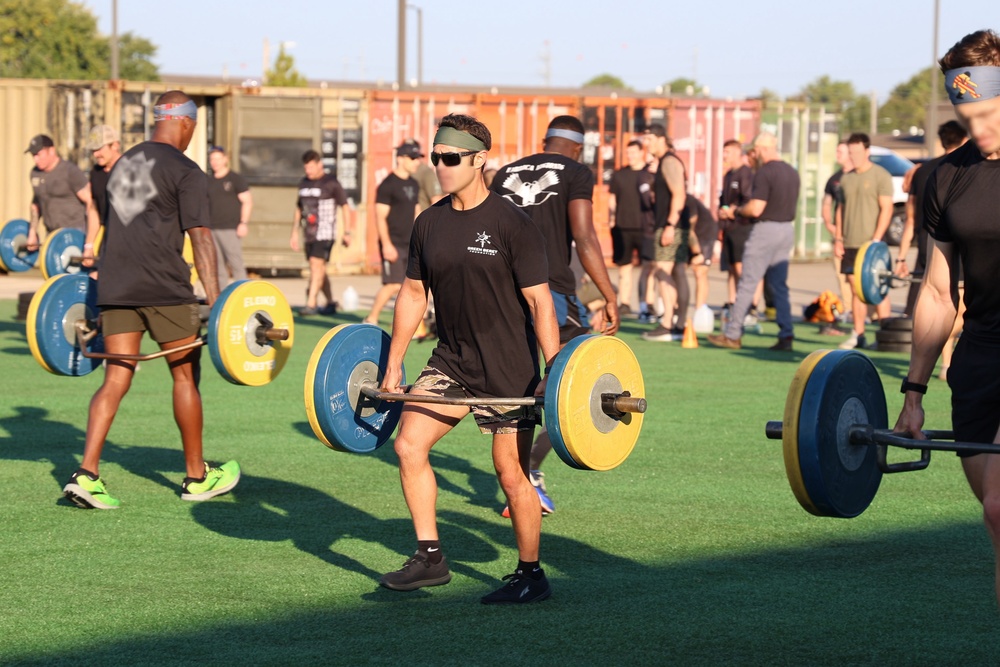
(58, 39)
(607, 81)
(284, 73)
(768, 97)
(841, 98)
(682, 86)
(907, 104)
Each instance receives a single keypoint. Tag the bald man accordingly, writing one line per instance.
(155, 195)
(772, 210)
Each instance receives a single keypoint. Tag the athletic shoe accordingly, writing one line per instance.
(519, 589)
(90, 494)
(855, 341)
(306, 311)
(215, 482)
(663, 334)
(329, 309)
(624, 310)
(537, 478)
(721, 340)
(646, 317)
(417, 572)
(783, 345)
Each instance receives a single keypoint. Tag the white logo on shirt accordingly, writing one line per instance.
(131, 186)
(531, 193)
(482, 239)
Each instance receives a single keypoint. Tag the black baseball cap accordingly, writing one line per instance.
(38, 142)
(410, 149)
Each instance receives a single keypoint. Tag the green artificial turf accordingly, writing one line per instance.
(692, 552)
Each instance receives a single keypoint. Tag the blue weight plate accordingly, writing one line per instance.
(67, 299)
(59, 248)
(344, 418)
(551, 407)
(877, 262)
(12, 235)
(843, 389)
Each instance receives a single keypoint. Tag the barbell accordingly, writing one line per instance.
(835, 435)
(250, 330)
(593, 405)
(873, 275)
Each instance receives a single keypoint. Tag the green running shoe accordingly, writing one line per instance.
(215, 482)
(90, 494)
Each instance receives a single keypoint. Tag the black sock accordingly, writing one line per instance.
(431, 550)
(530, 568)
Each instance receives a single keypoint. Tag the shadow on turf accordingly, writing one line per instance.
(838, 602)
(34, 437)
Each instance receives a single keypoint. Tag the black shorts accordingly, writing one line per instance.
(625, 242)
(393, 273)
(847, 261)
(319, 249)
(974, 378)
(734, 240)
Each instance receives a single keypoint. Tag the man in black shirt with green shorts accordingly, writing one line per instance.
(960, 214)
(156, 194)
(485, 262)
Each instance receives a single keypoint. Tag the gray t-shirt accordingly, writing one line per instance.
(55, 196)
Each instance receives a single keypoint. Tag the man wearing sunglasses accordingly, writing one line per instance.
(557, 191)
(484, 260)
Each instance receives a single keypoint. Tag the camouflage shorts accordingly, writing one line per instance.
(489, 418)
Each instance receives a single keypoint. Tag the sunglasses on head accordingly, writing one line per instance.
(450, 159)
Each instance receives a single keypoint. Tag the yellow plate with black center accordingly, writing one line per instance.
(241, 309)
(581, 433)
(790, 429)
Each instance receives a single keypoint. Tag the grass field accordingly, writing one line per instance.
(692, 552)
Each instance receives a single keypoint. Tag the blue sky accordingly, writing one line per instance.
(736, 47)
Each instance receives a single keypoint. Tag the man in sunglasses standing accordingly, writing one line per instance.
(485, 262)
(557, 191)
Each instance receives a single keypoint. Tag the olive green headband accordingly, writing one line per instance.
(449, 136)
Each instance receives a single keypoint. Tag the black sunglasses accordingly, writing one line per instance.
(450, 159)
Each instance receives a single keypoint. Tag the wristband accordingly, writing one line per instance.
(88, 246)
(912, 386)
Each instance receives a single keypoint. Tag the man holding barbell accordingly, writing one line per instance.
(963, 196)
(155, 195)
(485, 261)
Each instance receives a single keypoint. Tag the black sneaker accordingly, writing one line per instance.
(417, 572)
(519, 589)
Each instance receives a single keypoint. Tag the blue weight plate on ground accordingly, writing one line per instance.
(552, 422)
(59, 248)
(69, 298)
(13, 234)
(843, 389)
(342, 417)
(876, 262)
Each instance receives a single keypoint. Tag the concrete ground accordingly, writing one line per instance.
(806, 280)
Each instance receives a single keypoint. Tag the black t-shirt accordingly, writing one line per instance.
(99, 191)
(401, 196)
(836, 192)
(633, 189)
(960, 207)
(475, 263)
(542, 186)
(155, 193)
(223, 200)
(706, 227)
(663, 194)
(777, 183)
(318, 201)
(737, 186)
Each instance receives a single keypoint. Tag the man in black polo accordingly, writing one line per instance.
(630, 217)
(105, 146)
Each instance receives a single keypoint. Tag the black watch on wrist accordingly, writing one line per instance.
(912, 386)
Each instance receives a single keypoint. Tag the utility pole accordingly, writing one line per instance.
(873, 115)
(930, 132)
(114, 40)
(401, 45)
(546, 58)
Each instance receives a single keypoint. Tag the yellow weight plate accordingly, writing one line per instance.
(188, 254)
(31, 330)
(232, 329)
(310, 383)
(790, 429)
(600, 364)
(859, 264)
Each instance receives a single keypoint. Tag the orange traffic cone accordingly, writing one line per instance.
(690, 340)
